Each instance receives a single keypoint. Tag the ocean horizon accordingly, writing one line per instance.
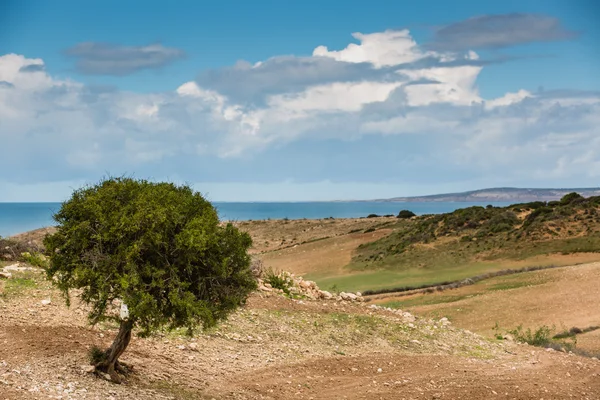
(17, 218)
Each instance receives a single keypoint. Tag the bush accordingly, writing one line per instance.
(155, 248)
(372, 216)
(279, 280)
(542, 337)
(35, 259)
(406, 214)
(12, 250)
(570, 198)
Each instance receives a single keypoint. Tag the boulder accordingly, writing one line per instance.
(304, 284)
(324, 294)
(5, 275)
(348, 296)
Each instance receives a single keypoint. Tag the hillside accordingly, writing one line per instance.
(477, 239)
(279, 347)
(500, 194)
(274, 348)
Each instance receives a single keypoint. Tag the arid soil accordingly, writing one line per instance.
(563, 297)
(278, 348)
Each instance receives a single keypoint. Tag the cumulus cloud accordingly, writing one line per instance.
(496, 31)
(110, 59)
(383, 108)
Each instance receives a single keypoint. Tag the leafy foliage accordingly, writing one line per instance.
(406, 214)
(157, 247)
(35, 259)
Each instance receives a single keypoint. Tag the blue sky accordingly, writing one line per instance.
(274, 100)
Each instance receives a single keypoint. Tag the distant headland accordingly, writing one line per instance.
(498, 194)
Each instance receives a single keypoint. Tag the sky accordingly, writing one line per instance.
(299, 100)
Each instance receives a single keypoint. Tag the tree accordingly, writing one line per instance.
(570, 198)
(156, 248)
(406, 214)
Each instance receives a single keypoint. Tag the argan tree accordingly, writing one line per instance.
(156, 248)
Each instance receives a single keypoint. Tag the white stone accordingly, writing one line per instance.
(324, 294)
(46, 302)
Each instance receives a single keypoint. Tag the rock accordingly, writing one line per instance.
(193, 346)
(348, 296)
(304, 284)
(5, 275)
(46, 302)
(324, 294)
(263, 288)
(508, 337)
(379, 370)
(445, 321)
(87, 369)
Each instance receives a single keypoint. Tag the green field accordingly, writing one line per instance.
(492, 285)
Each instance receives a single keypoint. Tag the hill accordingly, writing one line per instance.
(274, 348)
(499, 194)
(473, 240)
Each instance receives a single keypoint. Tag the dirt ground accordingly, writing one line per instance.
(273, 235)
(278, 348)
(325, 257)
(564, 297)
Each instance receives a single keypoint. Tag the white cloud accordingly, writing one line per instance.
(383, 86)
(387, 48)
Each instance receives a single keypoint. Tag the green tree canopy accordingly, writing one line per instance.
(156, 247)
(406, 214)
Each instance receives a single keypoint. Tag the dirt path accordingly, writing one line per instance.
(538, 375)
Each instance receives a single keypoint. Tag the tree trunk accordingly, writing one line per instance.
(110, 364)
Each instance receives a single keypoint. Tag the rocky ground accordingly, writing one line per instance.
(275, 348)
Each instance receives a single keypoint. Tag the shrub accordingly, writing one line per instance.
(155, 248)
(542, 337)
(279, 280)
(570, 198)
(404, 214)
(11, 249)
(372, 216)
(35, 259)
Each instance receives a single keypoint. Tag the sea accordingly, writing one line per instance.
(22, 217)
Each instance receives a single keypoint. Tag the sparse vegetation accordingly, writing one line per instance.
(485, 234)
(279, 280)
(542, 337)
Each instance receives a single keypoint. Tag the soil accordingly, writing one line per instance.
(278, 348)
